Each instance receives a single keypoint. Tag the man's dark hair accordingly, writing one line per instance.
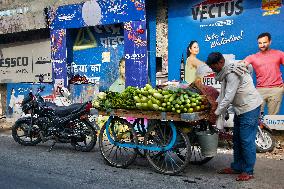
(214, 58)
(266, 34)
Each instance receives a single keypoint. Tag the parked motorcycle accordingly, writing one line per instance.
(67, 124)
(64, 99)
(264, 141)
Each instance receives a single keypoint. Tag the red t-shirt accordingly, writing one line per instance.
(267, 67)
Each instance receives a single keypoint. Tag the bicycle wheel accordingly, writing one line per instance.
(196, 156)
(169, 162)
(121, 131)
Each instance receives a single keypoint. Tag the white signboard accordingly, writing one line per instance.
(209, 80)
(25, 62)
(274, 121)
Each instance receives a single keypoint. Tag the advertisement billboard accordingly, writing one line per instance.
(228, 26)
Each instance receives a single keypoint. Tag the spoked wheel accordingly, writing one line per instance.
(85, 138)
(169, 162)
(141, 130)
(121, 131)
(196, 156)
(141, 152)
(25, 134)
(264, 141)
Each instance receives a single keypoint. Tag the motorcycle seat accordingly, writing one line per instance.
(62, 111)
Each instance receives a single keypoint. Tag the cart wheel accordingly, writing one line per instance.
(141, 152)
(140, 130)
(196, 157)
(169, 162)
(120, 131)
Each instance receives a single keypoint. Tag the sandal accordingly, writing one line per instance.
(228, 170)
(244, 177)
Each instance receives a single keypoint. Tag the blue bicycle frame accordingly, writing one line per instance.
(139, 146)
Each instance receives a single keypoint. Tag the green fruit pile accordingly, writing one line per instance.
(148, 98)
(181, 101)
(114, 100)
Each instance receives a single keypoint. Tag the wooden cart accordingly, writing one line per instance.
(167, 139)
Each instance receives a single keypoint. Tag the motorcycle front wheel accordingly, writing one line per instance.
(264, 141)
(86, 137)
(26, 134)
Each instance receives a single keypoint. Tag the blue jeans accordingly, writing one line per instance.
(245, 129)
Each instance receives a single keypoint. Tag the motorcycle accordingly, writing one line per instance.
(63, 99)
(44, 121)
(264, 141)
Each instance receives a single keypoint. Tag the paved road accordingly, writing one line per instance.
(35, 168)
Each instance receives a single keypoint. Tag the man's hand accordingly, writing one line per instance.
(217, 112)
(243, 62)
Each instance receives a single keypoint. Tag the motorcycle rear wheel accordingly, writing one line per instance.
(87, 139)
(21, 131)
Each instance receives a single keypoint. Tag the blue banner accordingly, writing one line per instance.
(100, 12)
(230, 27)
(135, 51)
(59, 56)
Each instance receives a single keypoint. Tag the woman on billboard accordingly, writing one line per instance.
(194, 67)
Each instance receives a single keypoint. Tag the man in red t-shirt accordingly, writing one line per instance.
(266, 64)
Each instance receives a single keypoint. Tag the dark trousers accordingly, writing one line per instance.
(245, 129)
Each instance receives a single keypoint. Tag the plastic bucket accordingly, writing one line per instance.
(208, 142)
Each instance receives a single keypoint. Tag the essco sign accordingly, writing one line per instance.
(13, 62)
(25, 62)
